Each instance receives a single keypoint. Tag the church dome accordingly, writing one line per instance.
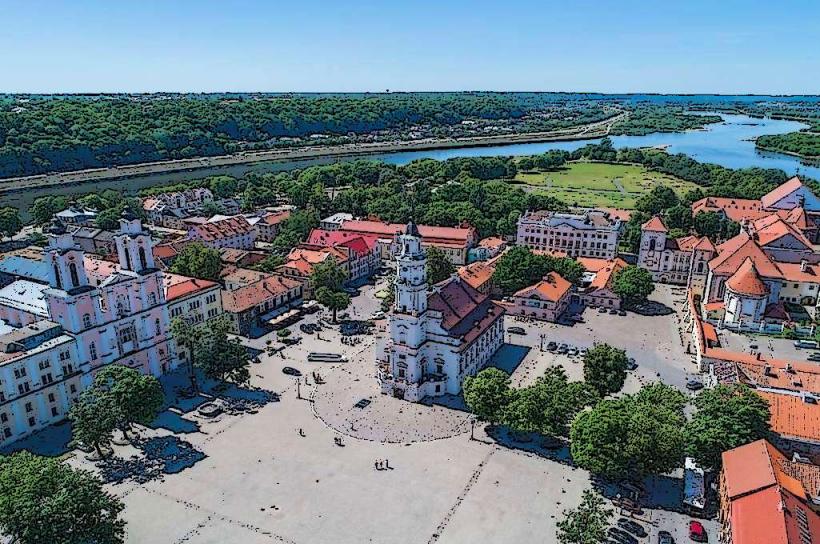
(746, 281)
(412, 229)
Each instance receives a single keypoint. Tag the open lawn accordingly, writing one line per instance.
(600, 184)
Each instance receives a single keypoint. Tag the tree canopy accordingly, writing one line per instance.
(586, 524)
(197, 261)
(605, 369)
(43, 500)
(439, 266)
(726, 416)
(519, 268)
(487, 394)
(633, 284)
(631, 436)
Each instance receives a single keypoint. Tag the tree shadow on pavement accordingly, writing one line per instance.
(160, 456)
(553, 449)
(508, 357)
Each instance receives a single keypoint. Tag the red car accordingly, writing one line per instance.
(697, 532)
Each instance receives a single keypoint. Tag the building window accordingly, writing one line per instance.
(65, 355)
(47, 378)
(44, 364)
(143, 260)
(75, 277)
(51, 397)
(152, 299)
(92, 351)
(20, 372)
(32, 422)
(29, 407)
(23, 388)
(57, 278)
(54, 411)
(157, 327)
(72, 388)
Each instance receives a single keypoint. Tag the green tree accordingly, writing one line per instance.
(44, 208)
(43, 500)
(487, 394)
(197, 261)
(221, 357)
(632, 436)
(328, 274)
(189, 336)
(727, 416)
(519, 268)
(605, 369)
(547, 406)
(332, 300)
(633, 284)
(439, 266)
(10, 223)
(708, 224)
(223, 186)
(137, 397)
(586, 524)
(94, 417)
(108, 219)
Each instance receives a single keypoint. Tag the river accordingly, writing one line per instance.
(729, 144)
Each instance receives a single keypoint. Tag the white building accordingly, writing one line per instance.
(589, 234)
(680, 261)
(438, 337)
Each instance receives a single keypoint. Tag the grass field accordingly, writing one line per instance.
(600, 184)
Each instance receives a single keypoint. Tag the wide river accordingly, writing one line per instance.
(728, 143)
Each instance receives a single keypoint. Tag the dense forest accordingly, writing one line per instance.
(805, 144)
(43, 134)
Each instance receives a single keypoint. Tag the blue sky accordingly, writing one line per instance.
(721, 46)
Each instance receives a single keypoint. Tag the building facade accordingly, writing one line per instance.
(436, 339)
(588, 234)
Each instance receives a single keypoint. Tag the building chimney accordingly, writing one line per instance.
(804, 264)
(767, 370)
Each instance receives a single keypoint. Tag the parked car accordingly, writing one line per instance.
(665, 538)
(811, 344)
(697, 532)
(601, 310)
(516, 330)
(632, 527)
(563, 348)
(631, 364)
(613, 311)
(621, 536)
(306, 328)
(621, 313)
(552, 346)
(583, 352)
(814, 357)
(572, 352)
(377, 315)
(290, 371)
(693, 384)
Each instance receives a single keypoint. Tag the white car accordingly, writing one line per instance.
(377, 315)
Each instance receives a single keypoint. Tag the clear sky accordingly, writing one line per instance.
(688, 46)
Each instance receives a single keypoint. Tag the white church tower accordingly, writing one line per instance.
(408, 331)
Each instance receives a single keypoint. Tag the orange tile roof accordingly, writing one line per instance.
(552, 288)
(477, 274)
(274, 218)
(746, 281)
(603, 277)
(248, 296)
(792, 416)
(782, 191)
(764, 490)
(177, 286)
(654, 225)
(736, 209)
(733, 252)
(493, 242)
(772, 227)
(617, 213)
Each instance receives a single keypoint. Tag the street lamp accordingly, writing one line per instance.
(472, 427)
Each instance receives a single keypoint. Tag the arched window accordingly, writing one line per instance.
(86, 321)
(157, 327)
(143, 261)
(700, 267)
(92, 351)
(57, 277)
(128, 259)
(75, 278)
(651, 244)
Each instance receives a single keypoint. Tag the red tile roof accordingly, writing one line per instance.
(493, 242)
(746, 281)
(224, 228)
(466, 313)
(772, 228)
(733, 252)
(177, 286)
(782, 191)
(736, 209)
(458, 236)
(360, 244)
(654, 225)
(274, 218)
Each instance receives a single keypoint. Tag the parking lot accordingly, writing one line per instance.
(303, 470)
(655, 342)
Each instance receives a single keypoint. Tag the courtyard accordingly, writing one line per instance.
(301, 467)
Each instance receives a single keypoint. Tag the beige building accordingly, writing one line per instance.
(592, 233)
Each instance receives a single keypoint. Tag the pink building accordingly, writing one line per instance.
(545, 300)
